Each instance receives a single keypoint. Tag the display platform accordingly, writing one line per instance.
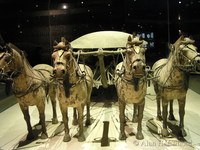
(13, 128)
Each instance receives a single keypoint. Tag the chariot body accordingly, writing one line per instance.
(102, 52)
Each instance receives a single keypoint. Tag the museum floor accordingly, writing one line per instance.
(13, 127)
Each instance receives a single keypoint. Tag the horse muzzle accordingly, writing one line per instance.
(59, 73)
(139, 69)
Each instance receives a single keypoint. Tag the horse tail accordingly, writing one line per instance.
(47, 92)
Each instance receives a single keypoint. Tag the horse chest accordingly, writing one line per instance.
(170, 94)
(77, 96)
(127, 92)
(36, 97)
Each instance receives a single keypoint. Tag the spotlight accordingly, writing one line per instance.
(64, 6)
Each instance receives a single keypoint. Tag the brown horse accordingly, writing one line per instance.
(131, 83)
(171, 78)
(30, 85)
(75, 82)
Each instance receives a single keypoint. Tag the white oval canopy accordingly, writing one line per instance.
(101, 39)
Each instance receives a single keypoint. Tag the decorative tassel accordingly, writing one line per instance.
(66, 85)
(136, 83)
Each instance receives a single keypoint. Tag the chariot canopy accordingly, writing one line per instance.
(101, 39)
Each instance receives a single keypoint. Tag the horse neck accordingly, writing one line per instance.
(173, 72)
(24, 69)
(72, 71)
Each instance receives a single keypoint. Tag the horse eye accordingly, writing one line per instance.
(67, 56)
(7, 58)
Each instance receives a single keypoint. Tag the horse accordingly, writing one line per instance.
(171, 79)
(130, 83)
(75, 83)
(30, 85)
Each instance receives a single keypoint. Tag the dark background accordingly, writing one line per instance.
(33, 25)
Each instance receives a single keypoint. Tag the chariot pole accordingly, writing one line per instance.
(100, 53)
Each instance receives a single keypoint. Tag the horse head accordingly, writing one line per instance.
(135, 57)
(61, 58)
(186, 54)
(7, 61)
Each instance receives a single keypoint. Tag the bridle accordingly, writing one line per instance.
(126, 60)
(12, 74)
(191, 62)
(60, 55)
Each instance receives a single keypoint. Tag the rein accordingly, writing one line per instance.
(191, 66)
(121, 74)
(76, 72)
(32, 88)
(14, 74)
(183, 68)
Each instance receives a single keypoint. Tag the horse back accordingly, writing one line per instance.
(159, 64)
(89, 74)
(45, 70)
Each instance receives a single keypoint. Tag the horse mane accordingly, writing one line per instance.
(12, 46)
(64, 44)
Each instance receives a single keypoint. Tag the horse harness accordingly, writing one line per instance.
(14, 74)
(191, 66)
(122, 71)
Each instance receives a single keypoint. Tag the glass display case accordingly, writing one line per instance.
(34, 25)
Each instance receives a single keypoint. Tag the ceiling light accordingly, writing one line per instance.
(64, 6)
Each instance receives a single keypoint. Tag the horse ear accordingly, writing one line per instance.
(171, 47)
(129, 38)
(55, 43)
(63, 40)
(8, 48)
(144, 43)
(182, 37)
(134, 34)
(140, 38)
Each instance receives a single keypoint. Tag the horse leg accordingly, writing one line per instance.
(41, 110)
(88, 122)
(75, 120)
(165, 132)
(171, 111)
(25, 112)
(52, 95)
(122, 135)
(181, 103)
(139, 134)
(65, 118)
(135, 113)
(158, 99)
(81, 136)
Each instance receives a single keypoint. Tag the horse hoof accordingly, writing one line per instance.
(44, 136)
(139, 136)
(171, 117)
(81, 138)
(122, 136)
(75, 122)
(66, 138)
(30, 136)
(135, 120)
(87, 123)
(159, 118)
(182, 133)
(165, 133)
(54, 120)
